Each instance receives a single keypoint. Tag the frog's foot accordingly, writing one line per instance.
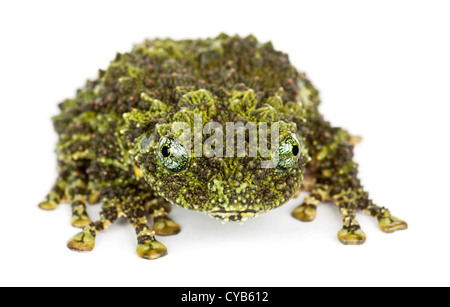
(82, 242)
(389, 224)
(54, 197)
(79, 221)
(164, 226)
(386, 221)
(80, 217)
(305, 212)
(151, 249)
(94, 196)
(85, 240)
(351, 236)
(148, 247)
(351, 233)
(48, 205)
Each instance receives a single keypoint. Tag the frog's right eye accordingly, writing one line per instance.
(288, 153)
(172, 155)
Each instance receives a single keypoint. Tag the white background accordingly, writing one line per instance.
(383, 70)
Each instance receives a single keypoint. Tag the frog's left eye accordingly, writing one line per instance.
(288, 153)
(172, 155)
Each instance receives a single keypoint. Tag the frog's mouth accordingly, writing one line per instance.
(233, 216)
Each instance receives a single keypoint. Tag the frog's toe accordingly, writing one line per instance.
(80, 216)
(164, 226)
(151, 250)
(55, 196)
(48, 205)
(79, 221)
(349, 236)
(390, 224)
(82, 242)
(305, 213)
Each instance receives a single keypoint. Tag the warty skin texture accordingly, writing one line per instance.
(115, 142)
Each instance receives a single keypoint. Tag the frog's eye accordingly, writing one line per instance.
(172, 155)
(288, 153)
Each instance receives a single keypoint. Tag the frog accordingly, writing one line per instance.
(117, 145)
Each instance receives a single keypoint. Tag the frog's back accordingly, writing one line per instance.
(164, 69)
(89, 125)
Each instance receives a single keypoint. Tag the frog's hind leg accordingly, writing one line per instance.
(162, 224)
(85, 240)
(148, 247)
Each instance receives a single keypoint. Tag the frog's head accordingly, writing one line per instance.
(201, 162)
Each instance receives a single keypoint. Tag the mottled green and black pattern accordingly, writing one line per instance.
(116, 145)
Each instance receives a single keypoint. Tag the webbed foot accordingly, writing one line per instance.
(351, 233)
(352, 237)
(389, 224)
(151, 250)
(48, 205)
(164, 226)
(386, 221)
(305, 213)
(80, 217)
(55, 196)
(79, 221)
(82, 242)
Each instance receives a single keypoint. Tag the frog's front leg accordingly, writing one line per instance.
(158, 210)
(71, 186)
(148, 247)
(351, 233)
(85, 240)
(349, 201)
(306, 212)
(336, 179)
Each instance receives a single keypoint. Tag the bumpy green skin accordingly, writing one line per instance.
(109, 137)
